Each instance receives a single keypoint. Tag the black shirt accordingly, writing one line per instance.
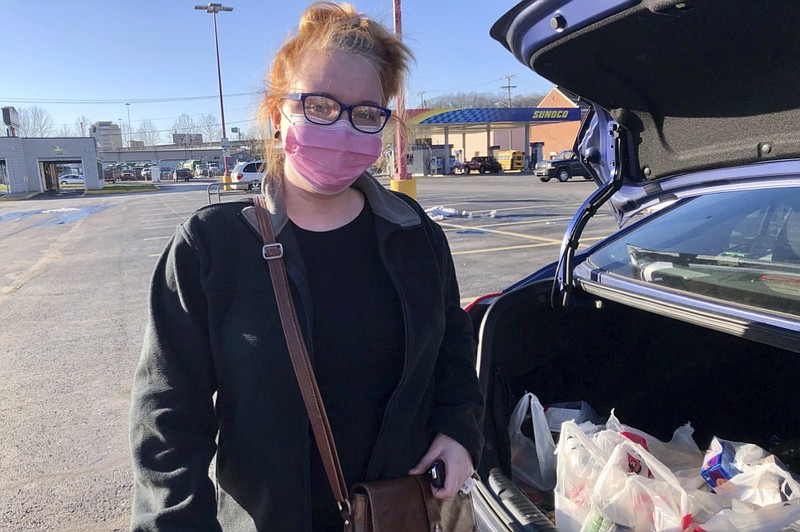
(358, 348)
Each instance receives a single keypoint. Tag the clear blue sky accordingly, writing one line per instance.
(90, 57)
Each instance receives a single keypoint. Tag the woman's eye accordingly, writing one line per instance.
(365, 114)
(320, 107)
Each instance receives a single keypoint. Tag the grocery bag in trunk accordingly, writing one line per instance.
(533, 461)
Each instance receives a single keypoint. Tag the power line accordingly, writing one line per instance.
(124, 101)
(509, 86)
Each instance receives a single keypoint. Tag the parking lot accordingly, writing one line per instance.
(73, 307)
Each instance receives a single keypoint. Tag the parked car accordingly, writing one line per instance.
(690, 313)
(71, 179)
(127, 175)
(182, 173)
(166, 171)
(147, 172)
(483, 165)
(563, 166)
(247, 176)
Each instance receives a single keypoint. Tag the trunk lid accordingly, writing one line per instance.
(697, 85)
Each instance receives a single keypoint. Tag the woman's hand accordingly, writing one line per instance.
(458, 465)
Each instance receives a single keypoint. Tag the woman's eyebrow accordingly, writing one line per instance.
(329, 95)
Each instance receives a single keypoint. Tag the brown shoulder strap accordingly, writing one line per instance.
(273, 254)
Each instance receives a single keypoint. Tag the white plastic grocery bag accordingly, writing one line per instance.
(580, 463)
(532, 461)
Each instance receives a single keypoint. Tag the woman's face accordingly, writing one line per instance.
(346, 77)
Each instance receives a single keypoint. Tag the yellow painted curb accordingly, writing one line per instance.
(406, 186)
(9, 197)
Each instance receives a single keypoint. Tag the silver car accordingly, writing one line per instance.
(247, 176)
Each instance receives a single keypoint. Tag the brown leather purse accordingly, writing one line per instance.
(400, 505)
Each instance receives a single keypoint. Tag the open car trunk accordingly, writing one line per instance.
(657, 373)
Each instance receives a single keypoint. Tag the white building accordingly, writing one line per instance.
(107, 134)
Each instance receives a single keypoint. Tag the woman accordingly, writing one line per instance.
(376, 294)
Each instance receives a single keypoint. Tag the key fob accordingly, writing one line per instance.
(437, 474)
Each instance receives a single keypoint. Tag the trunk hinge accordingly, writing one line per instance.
(586, 211)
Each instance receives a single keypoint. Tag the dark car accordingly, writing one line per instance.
(483, 165)
(691, 311)
(182, 173)
(563, 166)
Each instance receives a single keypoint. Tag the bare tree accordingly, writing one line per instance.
(210, 128)
(185, 124)
(466, 100)
(527, 100)
(35, 122)
(148, 133)
(463, 100)
(82, 126)
(65, 131)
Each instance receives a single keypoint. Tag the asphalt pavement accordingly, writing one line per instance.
(73, 304)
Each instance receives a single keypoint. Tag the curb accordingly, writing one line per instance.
(18, 197)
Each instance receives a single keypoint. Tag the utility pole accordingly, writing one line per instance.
(421, 99)
(509, 86)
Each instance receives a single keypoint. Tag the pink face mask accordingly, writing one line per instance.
(329, 158)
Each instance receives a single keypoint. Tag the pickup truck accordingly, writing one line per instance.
(483, 164)
(563, 166)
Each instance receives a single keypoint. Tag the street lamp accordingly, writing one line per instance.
(214, 9)
(129, 123)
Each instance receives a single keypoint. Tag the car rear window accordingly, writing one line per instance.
(740, 247)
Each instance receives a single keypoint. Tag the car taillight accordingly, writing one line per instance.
(236, 176)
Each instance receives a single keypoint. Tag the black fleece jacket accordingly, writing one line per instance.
(213, 328)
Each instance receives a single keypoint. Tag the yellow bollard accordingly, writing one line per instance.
(406, 186)
(226, 179)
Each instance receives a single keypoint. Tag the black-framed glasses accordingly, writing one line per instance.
(324, 111)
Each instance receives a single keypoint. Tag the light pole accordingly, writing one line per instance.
(214, 9)
(128, 106)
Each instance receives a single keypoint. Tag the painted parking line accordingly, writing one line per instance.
(528, 207)
(523, 222)
(158, 238)
(158, 227)
(504, 233)
(522, 246)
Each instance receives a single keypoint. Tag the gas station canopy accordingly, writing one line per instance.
(458, 120)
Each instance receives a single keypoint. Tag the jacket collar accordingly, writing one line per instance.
(383, 203)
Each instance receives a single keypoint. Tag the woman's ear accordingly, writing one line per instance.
(276, 123)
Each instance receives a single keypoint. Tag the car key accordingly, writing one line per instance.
(437, 474)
